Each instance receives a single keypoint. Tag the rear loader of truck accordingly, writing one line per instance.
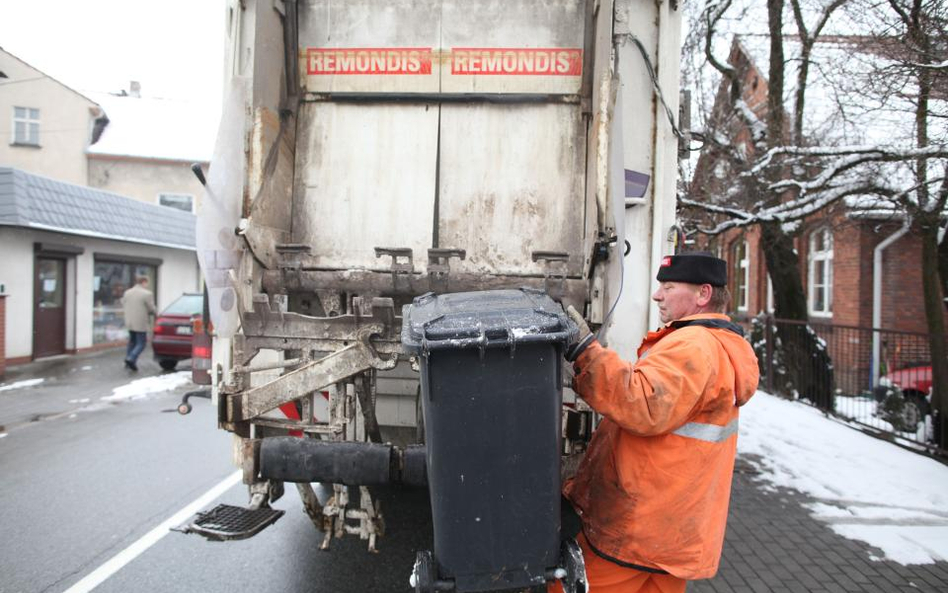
(403, 198)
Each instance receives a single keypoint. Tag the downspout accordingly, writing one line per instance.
(877, 297)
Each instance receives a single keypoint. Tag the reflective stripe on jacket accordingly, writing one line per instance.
(654, 485)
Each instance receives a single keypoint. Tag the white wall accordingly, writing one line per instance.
(66, 119)
(16, 272)
(178, 273)
(143, 179)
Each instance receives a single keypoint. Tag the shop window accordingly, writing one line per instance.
(180, 201)
(820, 277)
(109, 282)
(26, 126)
(741, 265)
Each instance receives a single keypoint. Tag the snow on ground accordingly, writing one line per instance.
(868, 489)
(142, 387)
(21, 384)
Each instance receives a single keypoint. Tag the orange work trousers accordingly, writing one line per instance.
(608, 577)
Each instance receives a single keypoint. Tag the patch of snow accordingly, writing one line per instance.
(142, 387)
(86, 368)
(3, 435)
(21, 384)
(155, 128)
(867, 489)
(84, 400)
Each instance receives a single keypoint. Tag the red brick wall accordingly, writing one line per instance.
(852, 283)
(903, 307)
(3, 334)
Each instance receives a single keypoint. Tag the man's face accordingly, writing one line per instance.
(676, 300)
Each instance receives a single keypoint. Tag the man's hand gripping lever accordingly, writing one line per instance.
(583, 339)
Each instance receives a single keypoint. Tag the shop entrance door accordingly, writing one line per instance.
(49, 313)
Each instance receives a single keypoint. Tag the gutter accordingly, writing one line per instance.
(877, 297)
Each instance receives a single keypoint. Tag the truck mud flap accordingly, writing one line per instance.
(226, 522)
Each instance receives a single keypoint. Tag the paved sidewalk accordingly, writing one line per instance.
(773, 545)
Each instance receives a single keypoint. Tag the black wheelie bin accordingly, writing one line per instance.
(491, 388)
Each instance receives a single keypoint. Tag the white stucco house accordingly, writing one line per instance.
(68, 254)
(50, 125)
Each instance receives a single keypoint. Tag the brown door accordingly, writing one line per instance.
(49, 314)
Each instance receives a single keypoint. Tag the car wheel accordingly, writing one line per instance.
(911, 415)
(167, 364)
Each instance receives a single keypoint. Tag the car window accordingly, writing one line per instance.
(186, 304)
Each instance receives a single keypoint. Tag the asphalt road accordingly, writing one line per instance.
(84, 479)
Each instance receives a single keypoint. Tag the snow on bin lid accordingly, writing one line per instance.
(482, 319)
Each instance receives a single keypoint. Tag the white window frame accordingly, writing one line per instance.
(742, 269)
(176, 195)
(28, 121)
(826, 286)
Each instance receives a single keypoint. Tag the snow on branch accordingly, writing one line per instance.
(782, 213)
(938, 66)
(758, 128)
(878, 153)
(800, 208)
(716, 209)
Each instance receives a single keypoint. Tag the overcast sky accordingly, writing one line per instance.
(174, 48)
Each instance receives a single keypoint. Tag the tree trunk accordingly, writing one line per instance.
(935, 318)
(808, 368)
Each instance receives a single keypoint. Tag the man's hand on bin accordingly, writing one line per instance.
(585, 335)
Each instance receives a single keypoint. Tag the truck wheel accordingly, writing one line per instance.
(167, 364)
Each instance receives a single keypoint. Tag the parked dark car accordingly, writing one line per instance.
(173, 330)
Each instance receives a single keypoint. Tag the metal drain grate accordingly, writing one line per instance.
(226, 522)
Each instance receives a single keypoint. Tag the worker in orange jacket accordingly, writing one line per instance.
(652, 491)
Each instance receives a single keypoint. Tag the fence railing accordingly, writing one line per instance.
(880, 379)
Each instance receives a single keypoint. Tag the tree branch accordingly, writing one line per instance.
(712, 14)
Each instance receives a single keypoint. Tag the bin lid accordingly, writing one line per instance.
(484, 319)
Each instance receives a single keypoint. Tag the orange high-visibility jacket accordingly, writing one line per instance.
(653, 488)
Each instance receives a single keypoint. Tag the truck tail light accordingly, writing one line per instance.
(201, 349)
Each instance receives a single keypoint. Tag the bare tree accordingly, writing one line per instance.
(740, 133)
(911, 37)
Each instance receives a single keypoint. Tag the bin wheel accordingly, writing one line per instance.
(184, 408)
(571, 555)
(419, 418)
(424, 574)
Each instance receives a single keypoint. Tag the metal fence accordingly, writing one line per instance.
(879, 379)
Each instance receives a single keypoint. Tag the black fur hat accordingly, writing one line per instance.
(695, 267)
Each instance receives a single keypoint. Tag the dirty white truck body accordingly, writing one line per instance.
(372, 151)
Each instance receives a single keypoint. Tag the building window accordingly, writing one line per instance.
(741, 275)
(821, 272)
(180, 201)
(110, 280)
(26, 126)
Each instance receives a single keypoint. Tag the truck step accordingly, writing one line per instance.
(227, 522)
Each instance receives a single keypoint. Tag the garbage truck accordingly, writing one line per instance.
(404, 196)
